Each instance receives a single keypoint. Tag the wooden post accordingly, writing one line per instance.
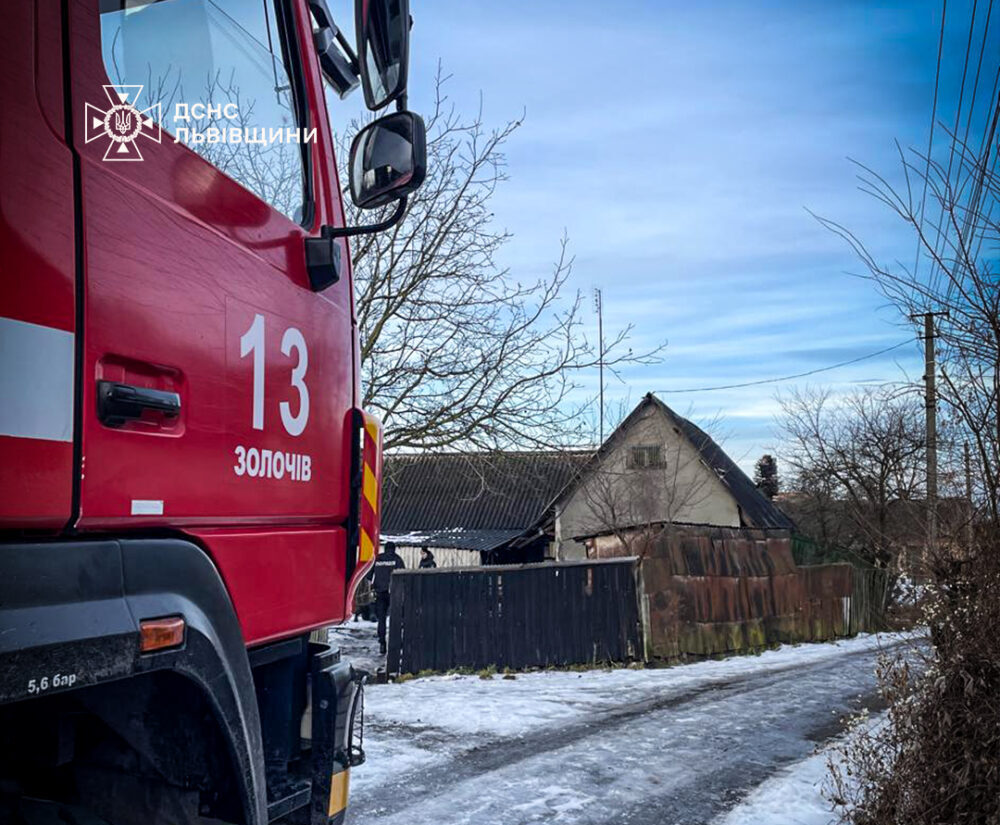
(969, 533)
(930, 408)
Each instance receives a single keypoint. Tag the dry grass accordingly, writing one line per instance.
(938, 759)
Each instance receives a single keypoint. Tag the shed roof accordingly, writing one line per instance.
(476, 501)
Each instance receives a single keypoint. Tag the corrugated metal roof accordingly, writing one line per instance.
(456, 494)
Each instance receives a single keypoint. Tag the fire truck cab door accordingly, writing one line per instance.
(216, 384)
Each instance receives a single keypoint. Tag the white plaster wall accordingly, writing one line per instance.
(685, 490)
(444, 556)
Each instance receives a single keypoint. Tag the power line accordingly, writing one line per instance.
(981, 167)
(985, 165)
(930, 138)
(989, 214)
(958, 124)
(964, 145)
(979, 67)
(790, 377)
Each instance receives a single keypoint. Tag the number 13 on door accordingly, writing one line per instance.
(294, 414)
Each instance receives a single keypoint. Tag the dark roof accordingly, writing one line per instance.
(476, 501)
(757, 509)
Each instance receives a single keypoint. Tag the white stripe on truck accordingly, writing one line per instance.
(36, 381)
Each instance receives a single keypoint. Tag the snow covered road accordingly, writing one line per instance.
(664, 747)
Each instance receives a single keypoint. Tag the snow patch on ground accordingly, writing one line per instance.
(794, 795)
(358, 643)
(423, 723)
(498, 707)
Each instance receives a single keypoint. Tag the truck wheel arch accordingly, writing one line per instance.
(74, 607)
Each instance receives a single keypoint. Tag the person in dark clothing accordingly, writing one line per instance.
(426, 559)
(385, 563)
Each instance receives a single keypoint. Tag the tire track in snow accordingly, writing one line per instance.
(414, 787)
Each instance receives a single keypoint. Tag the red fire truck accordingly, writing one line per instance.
(188, 487)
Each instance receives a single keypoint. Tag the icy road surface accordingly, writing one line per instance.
(795, 794)
(663, 747)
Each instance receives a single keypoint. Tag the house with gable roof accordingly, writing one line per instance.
(657, 468)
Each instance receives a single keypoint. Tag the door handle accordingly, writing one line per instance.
(118, 403)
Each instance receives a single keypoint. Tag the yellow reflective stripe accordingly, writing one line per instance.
(339, 784)
(372, 429)
(367, 548)
(370, 489)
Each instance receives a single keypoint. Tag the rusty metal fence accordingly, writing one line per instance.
(709, 591)
(695, 593)
(515, 617)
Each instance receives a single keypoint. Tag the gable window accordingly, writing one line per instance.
(645, 457)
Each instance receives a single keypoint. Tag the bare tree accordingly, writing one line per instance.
(952, 210)
(816, 508)
(272, 170)
(456, 351)
(855, 460)
(935, 761)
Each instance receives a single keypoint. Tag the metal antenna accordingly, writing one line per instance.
(599, 309)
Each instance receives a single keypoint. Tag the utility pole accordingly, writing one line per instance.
(969, 534)
(599, 309)
(930, 409)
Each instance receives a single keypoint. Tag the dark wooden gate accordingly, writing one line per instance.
(868, 599)
(518, 617)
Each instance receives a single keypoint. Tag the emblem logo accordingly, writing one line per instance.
(122, 123)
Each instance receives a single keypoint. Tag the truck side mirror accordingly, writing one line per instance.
(388, 160)
(383, 40)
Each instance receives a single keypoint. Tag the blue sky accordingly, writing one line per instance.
(678, 146)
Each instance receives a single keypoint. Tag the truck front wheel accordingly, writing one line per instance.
(138, 751)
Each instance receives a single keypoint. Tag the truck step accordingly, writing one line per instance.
(285, 795)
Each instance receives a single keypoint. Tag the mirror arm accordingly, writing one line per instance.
(324, 18)
(346, 46)
(350, 231)
(323, 255)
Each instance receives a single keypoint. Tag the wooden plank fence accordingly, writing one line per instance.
(516, 617)
(868, 600)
